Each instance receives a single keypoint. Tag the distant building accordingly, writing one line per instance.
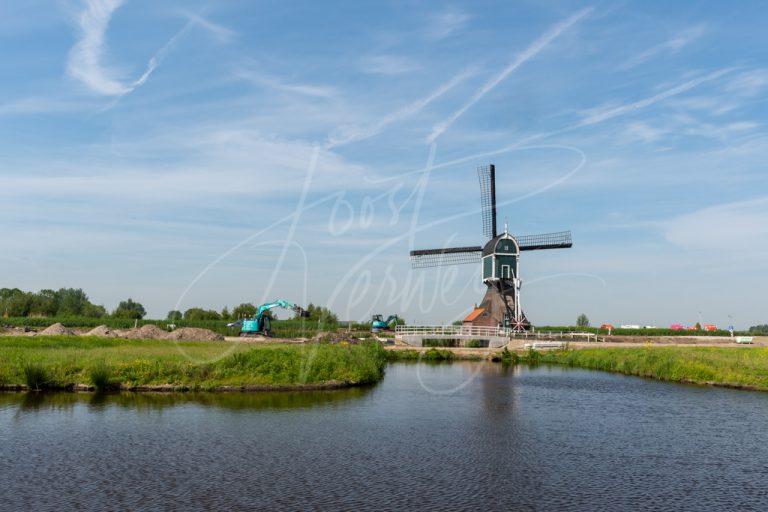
(630, 327)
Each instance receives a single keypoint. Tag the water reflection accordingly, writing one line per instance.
(513, 438)
(32, 402)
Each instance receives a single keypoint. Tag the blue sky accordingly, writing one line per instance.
(211, 153)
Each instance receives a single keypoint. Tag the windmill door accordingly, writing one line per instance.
(505, 272)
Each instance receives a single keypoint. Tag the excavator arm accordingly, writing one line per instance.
(261, 325)
(280, 303)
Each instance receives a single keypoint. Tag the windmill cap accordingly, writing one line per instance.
(490, 246)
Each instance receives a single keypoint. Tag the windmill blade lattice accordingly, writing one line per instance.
(559, 240)
(487, 176)
(425, 258)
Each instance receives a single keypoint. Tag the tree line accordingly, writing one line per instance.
(74, 302)
(246, 310)
(64, 302)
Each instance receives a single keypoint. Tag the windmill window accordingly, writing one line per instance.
(505, 272)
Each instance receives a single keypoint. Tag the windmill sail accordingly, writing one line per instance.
(559, 240)
(449, 256)
(487, 176)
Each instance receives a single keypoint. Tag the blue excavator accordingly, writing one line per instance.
(261, 323)
(378, 324)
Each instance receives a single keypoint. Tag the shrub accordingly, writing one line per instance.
(101, 376)
(36, 376)
(508, 357)
(533, 357)
(434, 354)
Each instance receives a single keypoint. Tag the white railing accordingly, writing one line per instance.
(477, 331)
(450, 330)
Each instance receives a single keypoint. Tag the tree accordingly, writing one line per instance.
(225, 314)
(198, 314)
(174, 316)
(94, 311)
(759, 329)
(244, 310)
(321, 315)
(19, 304)
(129, 309)
(582, 320)
(71, 302)
(44, 303)
(697, 326)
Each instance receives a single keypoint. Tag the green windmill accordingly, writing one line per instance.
(500, 258)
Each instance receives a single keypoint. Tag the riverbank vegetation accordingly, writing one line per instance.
(727, 366)
(69, 362)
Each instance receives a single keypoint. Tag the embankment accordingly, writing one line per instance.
(735, 367)
(72, 362)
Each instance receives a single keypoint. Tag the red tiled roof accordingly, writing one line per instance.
(474, 314)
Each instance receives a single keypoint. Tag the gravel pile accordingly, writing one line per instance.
(102, 330)
(145, 332)
(194, 334)
(151, 332)
(57, 330)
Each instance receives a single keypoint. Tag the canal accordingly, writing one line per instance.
(461, 436)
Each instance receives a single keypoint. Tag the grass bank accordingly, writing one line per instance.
(739, 367)
(71, 362)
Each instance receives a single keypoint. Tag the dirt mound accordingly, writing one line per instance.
(102, 331)
(152, 332)
(145, 332)
(194, 334)
(57, 330)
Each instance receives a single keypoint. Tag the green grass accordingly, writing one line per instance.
(60, 362)
(737, 366)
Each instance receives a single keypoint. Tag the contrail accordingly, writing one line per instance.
(360, 133)
(623, 109)
(537, 46)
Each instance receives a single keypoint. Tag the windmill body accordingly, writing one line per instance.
(500, 261)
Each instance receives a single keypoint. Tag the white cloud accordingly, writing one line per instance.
(85, 62)
(278, 84)
(674, 127)
(749, 84)
(534, 49)
(85, 58)
(443, 24)
(220, 32)
(348, 134)
(387, 64)
(670, 46)
(739, 226)
(599, 116)
(41, 105)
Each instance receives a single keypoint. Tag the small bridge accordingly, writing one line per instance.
(491, 337)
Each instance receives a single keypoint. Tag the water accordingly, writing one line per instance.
(522, 439)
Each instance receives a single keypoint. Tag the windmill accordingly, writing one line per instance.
(499, 256)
